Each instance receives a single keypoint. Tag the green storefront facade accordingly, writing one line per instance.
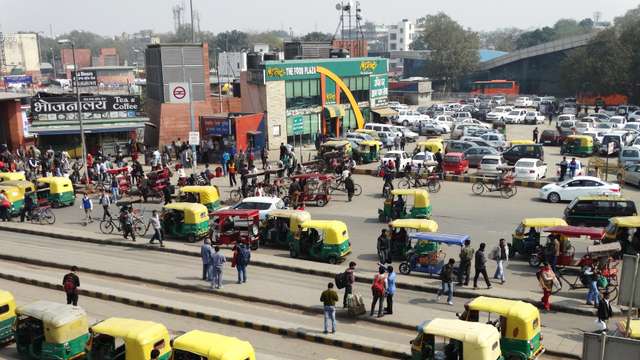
(311, 93)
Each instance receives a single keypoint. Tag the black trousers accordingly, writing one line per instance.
(72, 298)
(389, 309)
(464, 272)
(106, 214)
(484, 274)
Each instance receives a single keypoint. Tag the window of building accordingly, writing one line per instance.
(302, 93)
(393, 47)
(401, 31)
(393, 36)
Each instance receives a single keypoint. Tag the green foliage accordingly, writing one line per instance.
(232, 41)
(317, 36)
(563, 28)
(500, 39)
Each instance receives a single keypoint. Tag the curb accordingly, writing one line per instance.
(216, 318)
(198, 289)
(463, 178)
(361, 279)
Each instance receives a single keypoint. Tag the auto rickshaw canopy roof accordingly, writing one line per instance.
(335, 232)
(448, 239)
(61, 322)
(24, 185)
(298, 215)
(522, 142)
(421, 196)
(634, 328)
(214, 346)
(6, 298)
(626, 221)
(477, 335)
(132, 331)
(208, 194)
(12, 193)
(9, 176)
(576, 231)
(543, 222)
(584, 140)
(523, 319)
(337, 143)
(370, 132)
(371, 143)
(193, 213)
(431, 145)
(57, 184)
(423, 225)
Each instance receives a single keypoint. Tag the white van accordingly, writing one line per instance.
(383, 127)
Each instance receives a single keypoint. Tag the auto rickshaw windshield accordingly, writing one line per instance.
(335, 232)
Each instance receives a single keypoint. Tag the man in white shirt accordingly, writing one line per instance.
(154, 221)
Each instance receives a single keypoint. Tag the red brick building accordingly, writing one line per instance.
(12, 129)
(83, 59)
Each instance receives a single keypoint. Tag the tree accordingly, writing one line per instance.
(500, 39)
(317, 36)
(232, 41)
(535, 37)
(270, 38)
(454, 50)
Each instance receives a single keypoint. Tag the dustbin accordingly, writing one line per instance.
(218, 171)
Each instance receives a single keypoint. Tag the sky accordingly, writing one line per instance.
(112, 17)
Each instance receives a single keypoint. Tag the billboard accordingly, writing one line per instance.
(84, 78)
(93, 107)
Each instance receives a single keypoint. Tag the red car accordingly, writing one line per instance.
(229, 226)
(551, 137)
(456, 163)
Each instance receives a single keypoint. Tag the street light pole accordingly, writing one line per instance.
(79, 105)
(193, 31)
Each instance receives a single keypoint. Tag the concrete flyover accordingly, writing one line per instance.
(564, 44)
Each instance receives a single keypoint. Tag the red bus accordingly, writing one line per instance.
(495, 87)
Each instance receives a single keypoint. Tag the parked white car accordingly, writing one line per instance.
(408, 135)
(423, 157)
(264, 204)
(582, 127)
(515, 116)
(578, 186)
(496, 140)
(534, 117)
(474, 122)
(499, 99)
(393, 154)
(523, 101)
(530, 169)
(408, 117)
(462, 115)
(634, 116)
(489, 165)
(618, 121)
(498, 113)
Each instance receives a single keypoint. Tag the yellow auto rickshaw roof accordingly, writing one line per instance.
(586, 138)
(543, 222)
(422, 225)
(193, 213)
(336, 143)
(626, 221)
(56, 183)
(214, 346)
(139, 331)
(13, 193)
(300, 215)
(478, 334)
(6, 297)
(335, 231)
(421, 196)
(375, 143)
(512, 309)
(522, 142)
(634, 328)
(208, 194)
(51, 313)
(8, 176)
(431, 141)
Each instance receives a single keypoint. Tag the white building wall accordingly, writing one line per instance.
(21, 50)
(231, 64)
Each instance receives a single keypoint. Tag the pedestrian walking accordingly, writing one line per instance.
(154, 221)
(264, 157)
(25, 213)
(225, 162)
(384, 245)
(403, 142)
(217, 263)
(329, 298)
(396, 142)
(350, 280)
(590, 277)
(604, 312)
(563, 168)
(573, 165)
(501, 255)
(4, 206)
(115, 190)
(552, 251)
(546, 278)
(127, 223)
(87, 206)
(481, 267)
(166, 194)
(71, 283)
(232, 174)
(535, 135)
(446, 278)
(391, 289)
(240, 260)
(466, 257)
(378, 290)
(105, 201)
(205, 254)
(350, 187)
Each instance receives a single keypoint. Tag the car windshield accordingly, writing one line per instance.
(630, 153)
(525, 164)
(514, 113)
(490, 161)
(531, 114)
(567, 123)
(419, 157)
(253, 205)
(616, 120)
(582, 125)
(452, 159)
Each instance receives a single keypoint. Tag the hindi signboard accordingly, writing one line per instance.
(98, 106)
(84, 78)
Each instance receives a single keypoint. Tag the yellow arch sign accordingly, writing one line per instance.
(345, 89)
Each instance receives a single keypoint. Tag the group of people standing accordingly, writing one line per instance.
(213, 263)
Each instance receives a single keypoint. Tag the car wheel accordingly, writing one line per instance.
(554, 197)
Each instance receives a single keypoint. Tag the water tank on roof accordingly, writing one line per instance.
(254, 60)
(270, 56)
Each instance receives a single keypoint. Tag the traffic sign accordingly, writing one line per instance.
(194, 138)
(611, 148)
(298, 125)
(179, 92)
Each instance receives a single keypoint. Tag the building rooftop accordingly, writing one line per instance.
(11, 96)
(306, 61)
(108, 68)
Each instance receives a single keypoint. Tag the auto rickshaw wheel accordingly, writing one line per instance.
(192, 238)
(332, 260)
(293, 253)
(255, 245)
(405, 269)
(321, 202)
(357, 190)
(535, 260)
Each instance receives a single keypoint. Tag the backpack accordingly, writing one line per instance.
(244, 256)
(69, 284)
(378, 285)
(341, 280)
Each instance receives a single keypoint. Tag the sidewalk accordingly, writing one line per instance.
(321, 270)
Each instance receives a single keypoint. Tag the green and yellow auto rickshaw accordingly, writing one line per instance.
(518, 322)
(455, 339)
(208, 196)
(118, 338)
(399, 200)
(369, 151)
(370, 132)
(323, 240)
(577, 145)
(280, 226)
(400, 229)
(188, 221)
(340, 149)
(15, 197)
(12, 176)
(57, 190)
(526, 237)
(7, 316)
(203, 345)
(620, 229)
(50, 330)
(431, 145)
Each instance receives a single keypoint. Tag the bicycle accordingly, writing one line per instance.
(506, 187)
(42, 215)
(338, 185)
(431, 182)
(109, 225)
